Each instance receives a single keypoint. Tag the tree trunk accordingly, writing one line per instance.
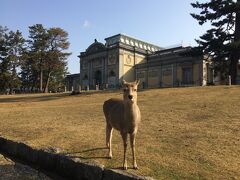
(41, 72)
(41, 80)
(47, 83)
(236, 53)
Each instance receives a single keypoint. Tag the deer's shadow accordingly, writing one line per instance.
(93, 153)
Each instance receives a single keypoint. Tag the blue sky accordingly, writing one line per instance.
(161, 22)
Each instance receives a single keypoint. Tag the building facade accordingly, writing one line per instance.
(124, 57)
(72, 82)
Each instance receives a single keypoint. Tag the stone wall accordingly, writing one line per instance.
(63, 166)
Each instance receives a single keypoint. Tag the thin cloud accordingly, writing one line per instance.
(86, 24)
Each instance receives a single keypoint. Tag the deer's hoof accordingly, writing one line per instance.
(125, 166)
(135, 167)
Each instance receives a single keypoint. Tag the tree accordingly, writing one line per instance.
(11, 47)
(38, 46)
(222, 41)
(3, 62)
(56, 55)
(47, 54)
(37, 63)
(29, 71)
(15, 46)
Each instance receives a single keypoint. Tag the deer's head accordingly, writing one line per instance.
(130, 91)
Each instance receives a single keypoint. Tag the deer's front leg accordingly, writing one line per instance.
(124, 137)
(109, 130)
(132, 141)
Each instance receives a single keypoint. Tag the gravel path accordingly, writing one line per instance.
(10, 170)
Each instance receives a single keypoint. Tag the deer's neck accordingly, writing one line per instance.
(131, 110)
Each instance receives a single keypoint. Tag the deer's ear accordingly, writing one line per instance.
(137, 82)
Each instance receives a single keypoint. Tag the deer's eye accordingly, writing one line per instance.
(124, 90)
(135, 90)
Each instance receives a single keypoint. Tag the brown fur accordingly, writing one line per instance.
(124, 116)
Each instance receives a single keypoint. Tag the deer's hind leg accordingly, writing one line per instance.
(109, 131)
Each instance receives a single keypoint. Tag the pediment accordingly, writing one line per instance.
(95, 47)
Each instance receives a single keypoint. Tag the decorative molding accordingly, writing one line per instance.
(112, 59)
(129, 60)
(127, 40)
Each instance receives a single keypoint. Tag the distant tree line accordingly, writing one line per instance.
(222, 42)
(35, 64)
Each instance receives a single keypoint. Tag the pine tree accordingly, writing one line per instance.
(4, 74)
(55, 63)
(15, 46)
(11, 47)
(38, 63)
(38, 46)
(222, 42)
(47, 54)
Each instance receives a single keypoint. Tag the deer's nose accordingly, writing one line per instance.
(130, 96)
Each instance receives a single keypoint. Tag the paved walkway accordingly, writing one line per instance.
(10, 170)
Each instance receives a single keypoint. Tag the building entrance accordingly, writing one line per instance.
(98, 77)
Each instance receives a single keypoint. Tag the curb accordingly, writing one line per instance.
(70, 168)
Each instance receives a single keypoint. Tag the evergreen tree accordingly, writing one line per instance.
(222, 42)
(37, 63)
(3, 59)
(38, 47)
(11, 47)
(15, 46)
(47, 54)
(56, 55)
(29, 72)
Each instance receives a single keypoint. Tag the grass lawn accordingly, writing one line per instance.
(185, 133)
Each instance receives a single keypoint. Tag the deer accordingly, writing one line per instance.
(124, 116)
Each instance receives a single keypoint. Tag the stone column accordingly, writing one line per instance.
(160, 78)
(134, 62)
(103, 73)
(174, 69)
(89, 73)
(121, 64)
(106, 68)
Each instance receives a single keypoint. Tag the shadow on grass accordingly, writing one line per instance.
(32, 98)
(121, 168)
(87, 156)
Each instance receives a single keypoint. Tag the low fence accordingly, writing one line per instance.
(66, 167)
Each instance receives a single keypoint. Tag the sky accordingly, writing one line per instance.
(161, 22)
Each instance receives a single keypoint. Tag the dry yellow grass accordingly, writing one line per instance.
(190, 133)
